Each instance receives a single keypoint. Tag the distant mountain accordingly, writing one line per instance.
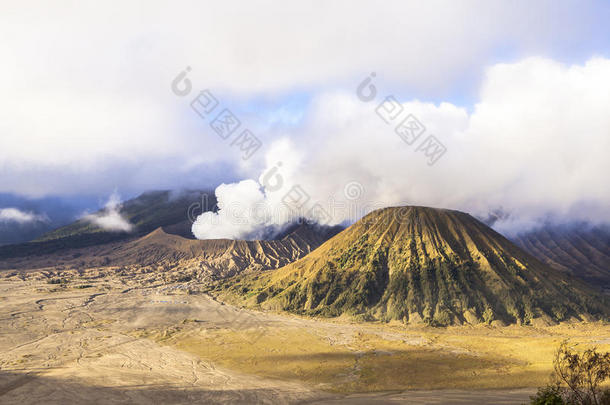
(578, 249)
(149, 211)
(418, 264)
(215, 258)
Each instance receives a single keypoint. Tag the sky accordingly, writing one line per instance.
(92, 106)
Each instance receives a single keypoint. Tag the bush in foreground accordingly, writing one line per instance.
(578, 378)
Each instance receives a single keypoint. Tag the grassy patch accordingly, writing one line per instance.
(379, 358)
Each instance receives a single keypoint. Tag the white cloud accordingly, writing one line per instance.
(245, 212)
(233, 221)
(21, 217)
(84, 103)
(110, 218)
(86, 107)
(535, 146)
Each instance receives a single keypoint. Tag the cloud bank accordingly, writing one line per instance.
(534, 147)
(86, 107)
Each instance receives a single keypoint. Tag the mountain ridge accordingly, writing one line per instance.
(215, 258)
(579, 249)
(147, 212)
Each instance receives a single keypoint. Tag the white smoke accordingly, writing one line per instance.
(234, 221)
(110, 218)
(21, 217)
(534, 146)
(254, 209)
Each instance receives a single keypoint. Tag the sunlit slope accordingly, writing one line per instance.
(419, 264)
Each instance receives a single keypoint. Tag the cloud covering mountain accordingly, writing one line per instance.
(534, 146)
(515, 91)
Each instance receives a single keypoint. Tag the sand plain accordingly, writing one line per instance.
(108, 337)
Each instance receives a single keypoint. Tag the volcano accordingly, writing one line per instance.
(422, 265)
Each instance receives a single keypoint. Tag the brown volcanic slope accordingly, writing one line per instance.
(583, 251)
(421, 264)
(219, 257)
(222, 257)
